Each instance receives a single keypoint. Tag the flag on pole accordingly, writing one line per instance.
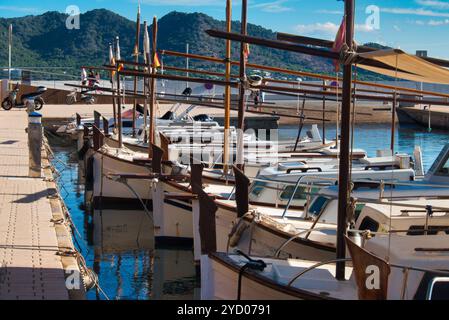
(156, 61)
(340, 40)
(246, 51)
(118, 56)
(111, 61)
(146, 46)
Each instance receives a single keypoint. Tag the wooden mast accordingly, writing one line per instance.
(119, 99)
(136, 58)
(227, 100)
(344, 172)
(114, 107)
(153, 86)
(393, 122)
(242, 101)
(147, 59)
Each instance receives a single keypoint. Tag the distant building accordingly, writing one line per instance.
(421, 53)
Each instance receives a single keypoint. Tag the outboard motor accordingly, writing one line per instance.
(169, 115)
(314, 134)
(187, 92)
(203, 118)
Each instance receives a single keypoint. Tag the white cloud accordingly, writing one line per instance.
(431, 23)
(324, 11)
(417, 12)
(434, 4)
(183, 2)
(273, 7)
(364, 28)
(328, 28)
(20, 9)
(395, 27)
(438, 22)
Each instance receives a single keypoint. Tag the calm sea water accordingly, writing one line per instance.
(118, 246)
(373, 137)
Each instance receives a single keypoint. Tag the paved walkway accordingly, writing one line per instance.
(29, 265)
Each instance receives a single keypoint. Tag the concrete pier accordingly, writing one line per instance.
(435, 117)
(36, 248)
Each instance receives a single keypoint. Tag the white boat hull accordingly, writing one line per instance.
(106, 190)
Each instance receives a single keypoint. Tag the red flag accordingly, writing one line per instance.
(340, 40)
(246, 51)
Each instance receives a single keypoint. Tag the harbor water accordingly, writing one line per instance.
(118, 245)
(373, 137)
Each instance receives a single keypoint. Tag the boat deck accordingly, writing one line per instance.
(30, 267)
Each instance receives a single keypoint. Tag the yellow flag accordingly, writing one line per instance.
(156, 61)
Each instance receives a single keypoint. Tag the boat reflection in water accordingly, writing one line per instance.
(118, 231)
(128, 264)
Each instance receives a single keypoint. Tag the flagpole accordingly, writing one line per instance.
(119, 99)
(242, 104)
(9, 52)
(136, 56)
(344, 172)
(112, 63)
(187, 64)
(153, 85)
(227, 102)
(145, 81)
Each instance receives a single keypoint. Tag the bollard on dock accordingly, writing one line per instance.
(35, 144)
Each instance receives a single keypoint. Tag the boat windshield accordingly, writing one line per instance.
(300, 194)
(443, 170)
(257, 188)
(318, 205)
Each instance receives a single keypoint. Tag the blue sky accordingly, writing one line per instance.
(408, 24)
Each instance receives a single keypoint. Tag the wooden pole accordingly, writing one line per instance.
(114, 107)
(153, 87)
(344, 172)
(227, 101)
(119, 112)
(393, 122)
(119, 100)
(145, 88)
(9, 53)
(324, 115)
(187, 64)
(242, 98)
(136, 57)
(301, 124)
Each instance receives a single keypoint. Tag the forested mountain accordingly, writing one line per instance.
(44, 41)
